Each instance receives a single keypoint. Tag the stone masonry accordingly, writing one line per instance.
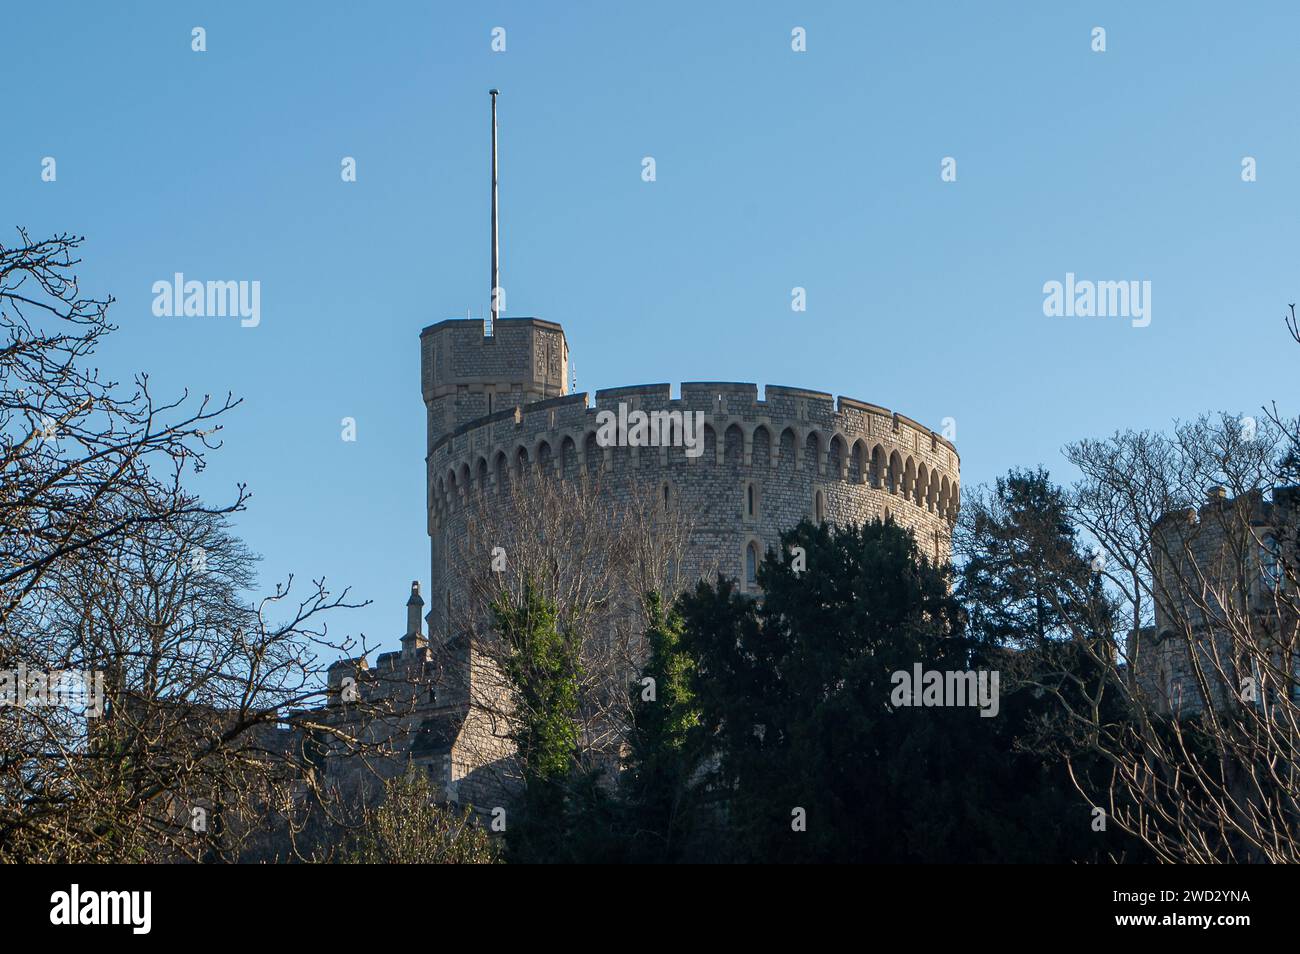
(498, 403)
(1220, 583)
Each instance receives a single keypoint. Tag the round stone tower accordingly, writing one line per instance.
(496, 403)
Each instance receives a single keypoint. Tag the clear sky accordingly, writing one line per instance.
(775, 169)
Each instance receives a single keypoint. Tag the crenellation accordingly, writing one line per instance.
(1211, 584)
(498, 404)
(653, 393)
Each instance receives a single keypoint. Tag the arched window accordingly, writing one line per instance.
(666, 496)
(751, 564)
(751, 499)
(1270, 563)
(819, 507)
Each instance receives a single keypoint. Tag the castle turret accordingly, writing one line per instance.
(466, 374)
(414, 642)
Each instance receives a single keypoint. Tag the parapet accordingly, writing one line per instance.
(720, 401)
(466, 374)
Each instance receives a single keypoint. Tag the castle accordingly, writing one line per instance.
(1224, 625)
(497, 406)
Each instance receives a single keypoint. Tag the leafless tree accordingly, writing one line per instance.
(1203, 763)
(594, 556)
(205, 736)
(79, 452)
(410, 827)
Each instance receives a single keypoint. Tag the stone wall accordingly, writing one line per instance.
(1213, 599)
(497, 408)
(465, 375)
(802, 453)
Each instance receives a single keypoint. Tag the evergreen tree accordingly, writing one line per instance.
(543, 669)
(664, 745)
(1038, 613)
(795, 695)
(1024, 579)
(801, 697)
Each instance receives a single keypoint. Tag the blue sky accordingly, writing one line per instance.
(775, 169)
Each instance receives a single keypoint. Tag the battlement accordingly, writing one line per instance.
(718, 400)
(742, 463)
(792, 434)
(750, 467)
(1218, 510)
(466, 374)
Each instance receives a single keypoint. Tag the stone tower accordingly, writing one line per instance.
(466, 375)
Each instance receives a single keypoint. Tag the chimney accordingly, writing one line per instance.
(1216, 494)
(414, 638)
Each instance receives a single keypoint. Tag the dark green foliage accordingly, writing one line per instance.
(541, 663)
(795, 699)
(665, 746)
(1024, 580)
(795, 694)
(770, 711)
(1038, 613)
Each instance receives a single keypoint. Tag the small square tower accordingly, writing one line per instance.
(465, 374)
